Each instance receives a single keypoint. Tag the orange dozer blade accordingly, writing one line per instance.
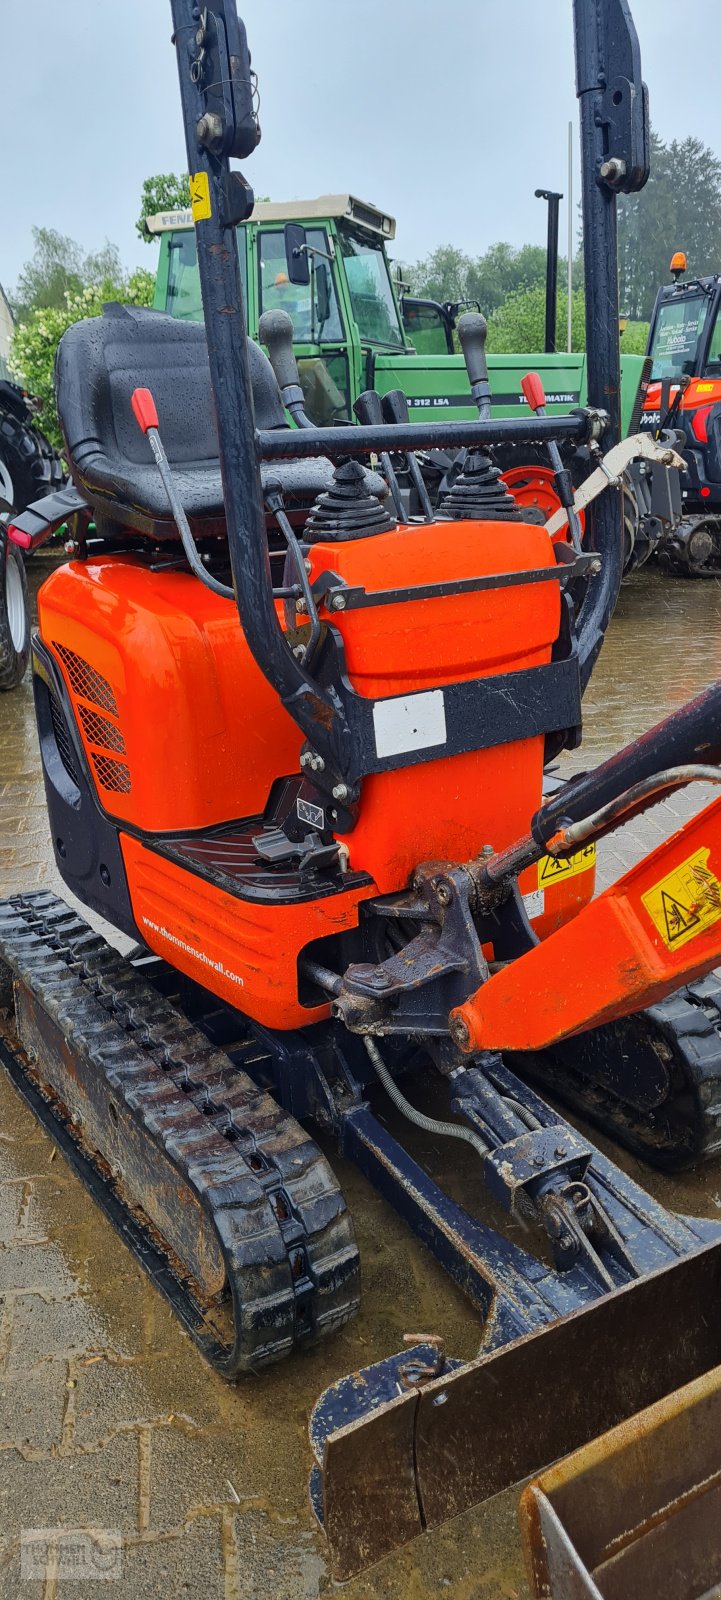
(437, 1449)
(658, 927)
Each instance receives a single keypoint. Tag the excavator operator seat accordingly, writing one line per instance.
(99, 363)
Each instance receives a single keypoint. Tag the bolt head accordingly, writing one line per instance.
(340, 792)
(443, 894)
(306, 759)
(460, 1034)
(338, 602)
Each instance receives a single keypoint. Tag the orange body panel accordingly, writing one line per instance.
(202, 733)
(658, 927)
(447, 808)
(245, 952)
(394, 649)
(700, 392)
(182, 732)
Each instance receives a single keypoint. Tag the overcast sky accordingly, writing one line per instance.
(446, 115)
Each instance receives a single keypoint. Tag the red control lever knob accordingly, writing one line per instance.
(534, 391)
(24, 541)
(144, 410)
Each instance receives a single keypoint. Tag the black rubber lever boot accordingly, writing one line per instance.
(275, 331)
(395, 409)
(689, 736)
(369, 411)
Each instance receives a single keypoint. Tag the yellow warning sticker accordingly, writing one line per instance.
(200, 196)
(551, 869)
(685, 902)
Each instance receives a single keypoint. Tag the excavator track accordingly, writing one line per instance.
(693, 549)
(651, 1081)
(225, 1200)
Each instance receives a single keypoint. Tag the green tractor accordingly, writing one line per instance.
(325, 262)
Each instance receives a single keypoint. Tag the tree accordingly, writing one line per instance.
(634, 339)
(680, 209)
(443, 275)
(32, 354)
(54, 270)
(519, 325)
(164, 191)
(449, 274)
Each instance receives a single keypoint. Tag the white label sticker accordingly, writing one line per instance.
(410, 722)
(310, 813)
(534, 903)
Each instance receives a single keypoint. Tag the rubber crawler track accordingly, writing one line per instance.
(279, 1215)
(674, 552)
(681, 1126)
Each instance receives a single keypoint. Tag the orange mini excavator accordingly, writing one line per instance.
(298, 751)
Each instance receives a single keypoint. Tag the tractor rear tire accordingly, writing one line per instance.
(29, 469)
(14, 615)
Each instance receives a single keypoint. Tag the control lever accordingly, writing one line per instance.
(146, 417)
(275, 331)
(394, 406)
(369, 412)
(534, 393)
(473, 332)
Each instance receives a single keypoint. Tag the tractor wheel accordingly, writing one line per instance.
(14, 615)
(528, 477)
(29, 469)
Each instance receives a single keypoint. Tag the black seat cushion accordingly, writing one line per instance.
(100, 362)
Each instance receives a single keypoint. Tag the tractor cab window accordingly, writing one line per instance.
(676, 336)
(313, 307)
(428, 329)
(369, 286)
(713, 359)
(184, 299)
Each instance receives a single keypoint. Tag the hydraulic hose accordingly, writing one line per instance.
(447, 1130)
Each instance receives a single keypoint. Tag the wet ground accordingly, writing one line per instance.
(108, 1417)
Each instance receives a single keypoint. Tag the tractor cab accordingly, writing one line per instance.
(342, 302)
(684, 393)
(684, 343)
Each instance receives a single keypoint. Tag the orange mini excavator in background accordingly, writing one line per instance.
(298, 753)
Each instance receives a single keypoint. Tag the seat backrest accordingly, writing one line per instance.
(102, 360)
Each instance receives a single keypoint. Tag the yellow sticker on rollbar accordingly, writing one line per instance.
(551, 868)
(200, 196)
(685, 902)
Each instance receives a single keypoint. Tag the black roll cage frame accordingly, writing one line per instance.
(217, 97)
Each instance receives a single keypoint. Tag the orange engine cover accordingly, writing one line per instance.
(180, 727)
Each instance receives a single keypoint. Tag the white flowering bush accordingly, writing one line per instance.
(32, 354)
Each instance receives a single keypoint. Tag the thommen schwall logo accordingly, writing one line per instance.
(67, 1553)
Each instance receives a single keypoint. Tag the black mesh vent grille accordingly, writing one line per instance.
(113, 775)
(98, 730)
(62, 739)
(85, 681)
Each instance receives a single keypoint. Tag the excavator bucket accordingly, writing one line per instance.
(635, 1512)
(436, 1446)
